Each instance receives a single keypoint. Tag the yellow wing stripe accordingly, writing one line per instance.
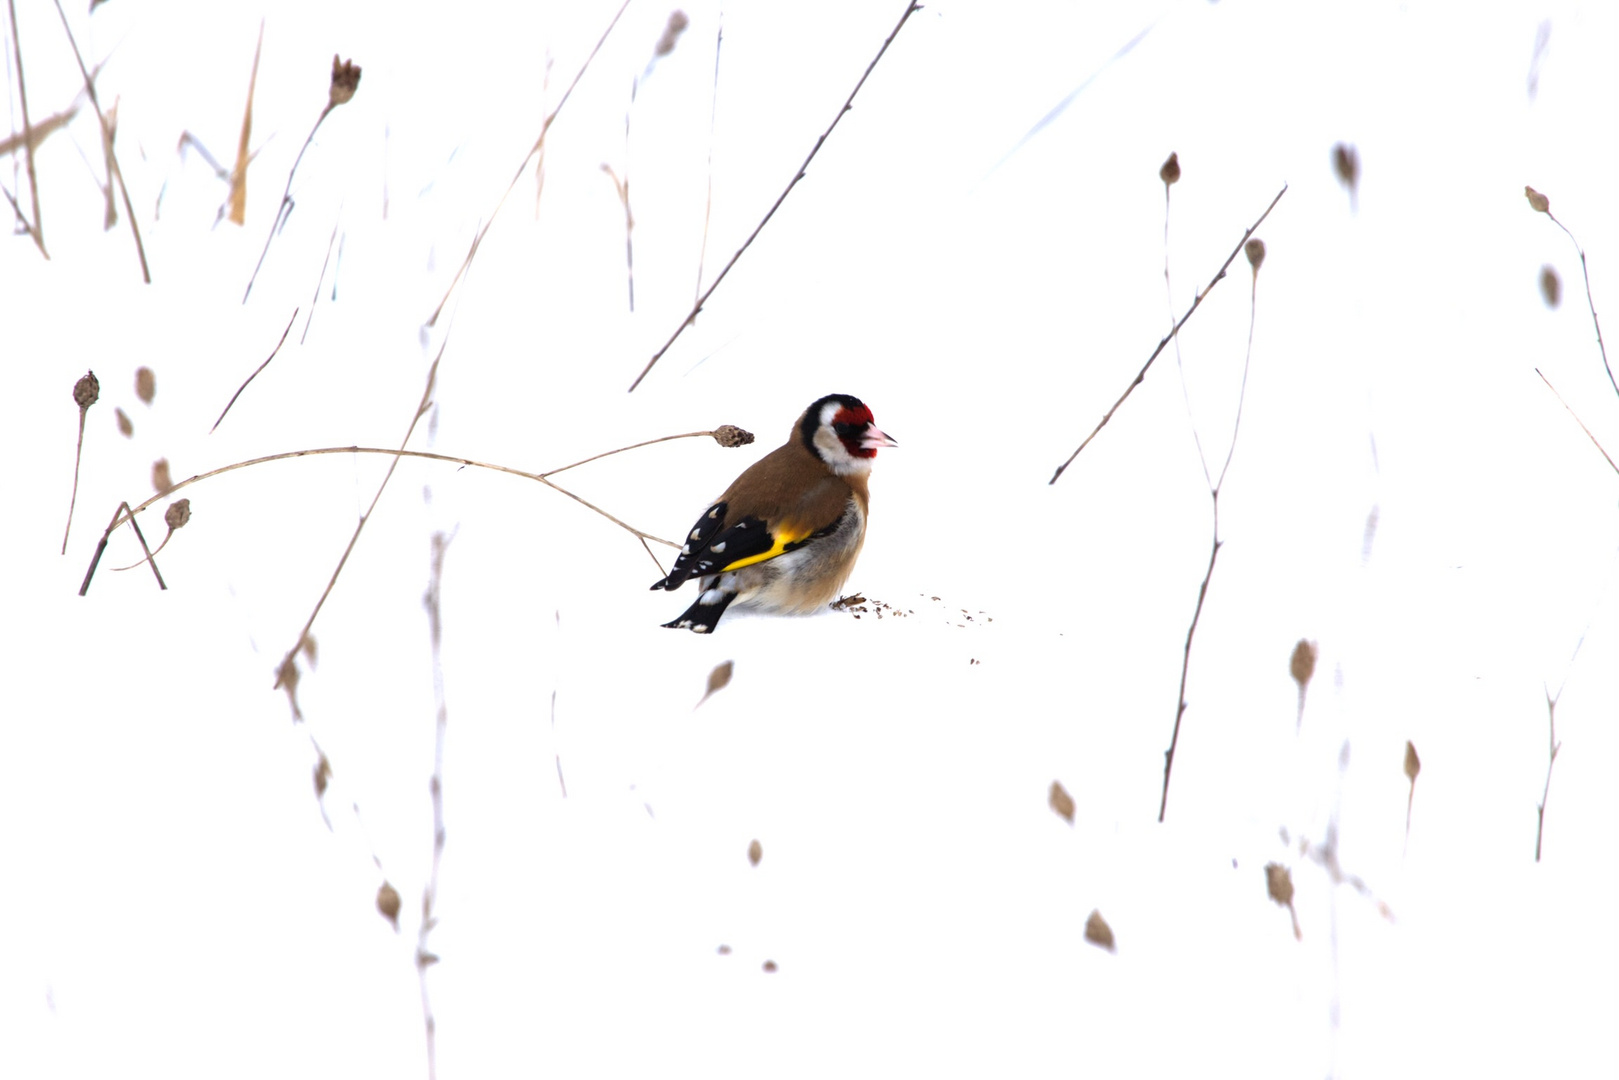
(784, 538)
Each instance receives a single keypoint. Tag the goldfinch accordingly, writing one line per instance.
(786, 533)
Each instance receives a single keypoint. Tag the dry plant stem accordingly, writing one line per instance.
(1577, 420)
(1592, 303)
(123, 508)
(1142, 374)
(1214, 553)
(256, 371)
(315, 299)
(422, 407)
(708, 199)
(848, 103)
(35, 229)
(106, 139)
(285, 208)
(424, 957)
(561, 783)
(536, 150)
(78, 451)
(543, 478)
(1551, 720)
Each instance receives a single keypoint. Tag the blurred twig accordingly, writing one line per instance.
(848, 103)
(1142, 374)
(537, 149)
(106, 139)
(35, 229)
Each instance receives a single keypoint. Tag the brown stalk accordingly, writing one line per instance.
(1142, 374)
(424, 957)
(1539, 202)
(123, 508)
(35, 229)
(911, 8)
(256, 371)
(106, 140)
(1577, 420)
(1256, 257)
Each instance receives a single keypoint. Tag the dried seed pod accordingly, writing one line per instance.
(388, 903)
(1302, 665)
(1170, 170)
(145, 384)
(729, 435)
(87, 390)
(756, 852)
(125, 427)
(1537, 202)
(160, 476)
(178, 513)
(1279, 884)
(769, 967)
(1346, 164)
(345, 80)
(1255, 250)
(671, 33)
(323, 769)
(1061, 802)
(1098, 932)
(1551, 286)
(1413, 764)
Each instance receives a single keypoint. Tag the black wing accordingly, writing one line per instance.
(713, 544)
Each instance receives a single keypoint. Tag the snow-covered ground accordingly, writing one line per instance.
(1405, 493)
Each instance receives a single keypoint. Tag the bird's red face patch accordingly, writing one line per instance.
(851, 425)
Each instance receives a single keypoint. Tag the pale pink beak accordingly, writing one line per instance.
(874, 438)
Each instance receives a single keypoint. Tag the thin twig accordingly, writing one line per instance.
(1577, 420)
(35, 229)
(424, 957)
(1186, 661)
(537, 148)
(1255, 259)
(320, 281)
(123, 508)
(395, 452)
(911, 8)
(1142, 374)
(708, 198)
(106, 136)
(1551, 720)
(284, 211)
(1592, 303)
(256, 371)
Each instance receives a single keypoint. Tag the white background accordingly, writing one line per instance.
(1405, 491)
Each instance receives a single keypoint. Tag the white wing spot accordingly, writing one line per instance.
(718, 548)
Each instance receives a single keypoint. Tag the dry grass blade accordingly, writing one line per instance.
(537, 149)
(129, 516)
(106, 139)
(1173, 333)
(35, 229)
(1577, 420)
(691, 316)
(256, 371)
(37, 134)
(238, 175)
(424, 957)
